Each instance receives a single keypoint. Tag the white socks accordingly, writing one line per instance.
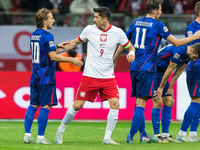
(67, 119)
(165, 134)
(182, 133)
(111, 122)
(193, 134)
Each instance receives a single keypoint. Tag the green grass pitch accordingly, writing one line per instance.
(85, 136)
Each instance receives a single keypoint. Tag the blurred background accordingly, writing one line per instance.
(17, 22)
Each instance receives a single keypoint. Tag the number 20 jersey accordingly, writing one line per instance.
(100, 49)
(146, 34)
(43, 68)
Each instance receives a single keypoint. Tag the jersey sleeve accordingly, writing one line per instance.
(84, 34)
(177, 55)
(49, 43)
(189, 32)
(163, 30)
(123, 39)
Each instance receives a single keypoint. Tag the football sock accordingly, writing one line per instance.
(166, 118)
(195, 122)
(193, 134)
(111, 122)
(182, 133)
(142, 127)
(189, 115)
(28, 120)
(69, 115)
(42, 120)
(155, 117)
(137, 121)
(41, 137)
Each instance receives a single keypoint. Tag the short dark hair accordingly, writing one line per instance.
(152, 5)
(103, 12)
(197, 8)
(42, 14)
(196, 48)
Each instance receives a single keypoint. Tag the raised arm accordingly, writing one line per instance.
(165, 77)
(183, 41)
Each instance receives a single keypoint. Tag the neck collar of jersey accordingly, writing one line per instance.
(107, 29)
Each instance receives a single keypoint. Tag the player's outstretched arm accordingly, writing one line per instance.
(55, 57)
(178, 42)
(168, 72)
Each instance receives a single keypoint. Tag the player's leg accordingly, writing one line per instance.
(195, 123)
(87, 91)
(30, 112)
(70, 113)
(109, 91)
(111, 121)
(187, 120)
(155, 117)
(193, 88)
(47, 98)
(166, 118)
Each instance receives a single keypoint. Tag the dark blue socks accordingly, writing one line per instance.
(28, 120)
(166, 118)
(155, 117)
(42, 120)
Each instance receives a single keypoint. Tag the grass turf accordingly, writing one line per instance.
(84, 136)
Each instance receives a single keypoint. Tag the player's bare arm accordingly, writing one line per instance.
(55, 57)
(68, 45)
(183, 41)
(168, 72)
(118, 52)
(177, 73)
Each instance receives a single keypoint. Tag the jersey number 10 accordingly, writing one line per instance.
(136, 45)
(35, 48)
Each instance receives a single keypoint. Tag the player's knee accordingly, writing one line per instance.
(114, 104)
(77, 106)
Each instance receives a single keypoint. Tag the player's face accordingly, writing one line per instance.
(50, 21)
(192, 55)
(158, 12)
(98, 20)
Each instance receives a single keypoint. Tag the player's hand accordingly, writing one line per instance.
(170, 91)
(61, 45)
(77, 62)
(130, 58)
(158, 93)
(197, 34)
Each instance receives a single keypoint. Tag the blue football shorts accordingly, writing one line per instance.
(193, 83)
(142, 83)
(157, 84)
(43, 94)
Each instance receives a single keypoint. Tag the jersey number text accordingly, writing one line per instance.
(137, 37)
(35, 48)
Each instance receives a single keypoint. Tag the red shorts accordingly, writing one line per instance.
(90, 87)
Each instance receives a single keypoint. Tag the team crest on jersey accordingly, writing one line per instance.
(51, 43)
(82, 94)
(177, 56)
(189, 33)
(165, 29)
(103, 37)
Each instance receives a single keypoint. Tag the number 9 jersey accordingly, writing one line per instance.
(146, 34)
(43, 68)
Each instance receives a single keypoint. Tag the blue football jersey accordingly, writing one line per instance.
(170, 53)
(146, 34)
(43, 68)
(190, 30)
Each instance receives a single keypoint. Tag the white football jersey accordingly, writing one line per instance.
(101, 47)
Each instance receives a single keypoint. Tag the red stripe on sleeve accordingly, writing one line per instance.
(80, 39)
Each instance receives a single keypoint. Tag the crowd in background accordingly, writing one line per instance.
(131, 7)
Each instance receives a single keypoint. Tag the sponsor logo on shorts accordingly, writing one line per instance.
(82, 94)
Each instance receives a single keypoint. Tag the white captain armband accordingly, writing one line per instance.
(132, 52)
